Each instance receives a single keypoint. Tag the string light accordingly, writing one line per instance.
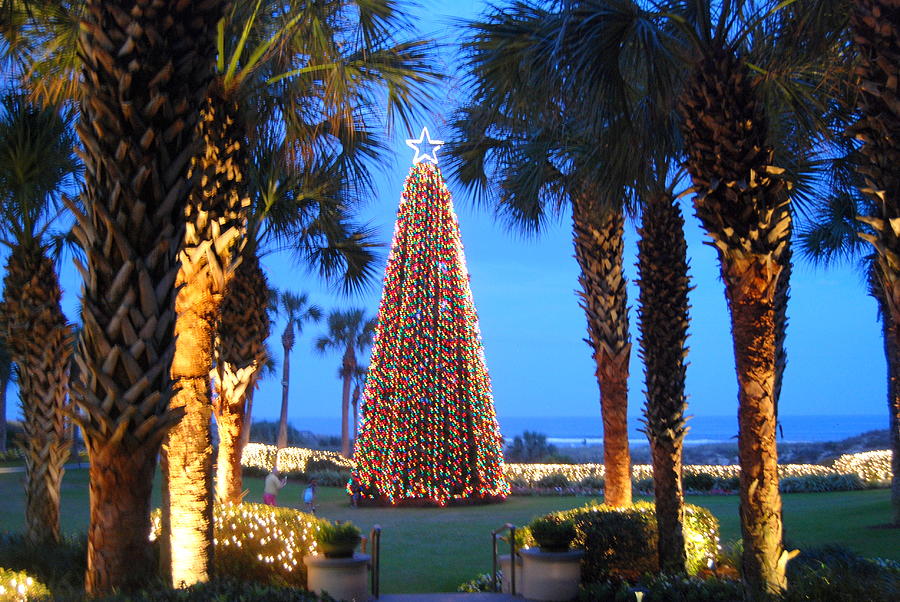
(428, 431)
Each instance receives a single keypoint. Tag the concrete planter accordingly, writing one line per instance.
(342, 578)
(550, 576)
(506, 569)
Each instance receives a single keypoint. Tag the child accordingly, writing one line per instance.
(309, 496)
(273, 485)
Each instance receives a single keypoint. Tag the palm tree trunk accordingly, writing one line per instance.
(240, 353)
(40, 344)
(892, 356)
(145, 75)
(248, 420)
(750, 287)
(355, 401)
(186, 554)
(4, 385)
(285, 381)
(229, 479)
(875, 34)
(119, 554)
(598, 249)
(348, 372)
(663, 322)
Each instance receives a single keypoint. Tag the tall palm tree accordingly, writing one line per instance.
(145, 71)
(37, 162)
(297, 311)
(877, 43)
(350, 333)
(6, 375)
(303, 206)
(758, 73)
(526, 148)
(269, 57)
(663, 320)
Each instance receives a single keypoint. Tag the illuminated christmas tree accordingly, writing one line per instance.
(429, 432)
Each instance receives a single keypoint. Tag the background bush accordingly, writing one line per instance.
(260, 543)
(621, 542)
(220, 589)
(19, 585)
(552, 481)
(836, 574)
(59, 566)
(329, 478)
(820, 483)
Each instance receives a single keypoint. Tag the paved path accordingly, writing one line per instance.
(448, 597)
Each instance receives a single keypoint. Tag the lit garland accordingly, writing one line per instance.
(871, 466)
(18, 586)
(290, 459)
(428, 431)
(259, 542)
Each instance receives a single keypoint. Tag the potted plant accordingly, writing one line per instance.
(338, 539)
(552, 571)
(338, 571)
(552, 533)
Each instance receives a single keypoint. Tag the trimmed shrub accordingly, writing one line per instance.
(59, 566)
(260, 543)
(553, 532)
(553, 480)
(223, 589)
(16, 586)
(665, 588)
(621, 542)
(821, 483)
(836, 573)
(644, 485)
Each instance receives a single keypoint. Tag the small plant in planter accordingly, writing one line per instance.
(338, 539)
(552, 533)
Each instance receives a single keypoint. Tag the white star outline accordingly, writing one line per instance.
(434, 144)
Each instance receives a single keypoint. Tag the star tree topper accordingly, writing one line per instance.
(434, 145)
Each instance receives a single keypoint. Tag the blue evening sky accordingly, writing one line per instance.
(524, 290)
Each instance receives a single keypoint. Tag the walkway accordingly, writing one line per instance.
(449, 598)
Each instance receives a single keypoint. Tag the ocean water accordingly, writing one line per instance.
(580, 430)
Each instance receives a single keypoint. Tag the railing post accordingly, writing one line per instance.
(375, 538)
(494, 572)
(512, 559)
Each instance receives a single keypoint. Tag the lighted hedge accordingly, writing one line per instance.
(872, 467)
(18, 586)
(622, 541)
(255, 542)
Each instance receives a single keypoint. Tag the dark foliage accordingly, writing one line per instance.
(59, 566)
(530, 447)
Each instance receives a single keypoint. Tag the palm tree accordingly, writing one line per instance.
(876, 41)
(145, 72)
(37, 162)
(6, 375)
(542, 160)
(751, 110)
(663, 320)
(349, 332)
(297, 311)
(292, 50)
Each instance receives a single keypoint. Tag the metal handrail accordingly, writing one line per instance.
(512, 556)
(375, 538)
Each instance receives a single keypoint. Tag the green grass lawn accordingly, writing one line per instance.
(435, 549)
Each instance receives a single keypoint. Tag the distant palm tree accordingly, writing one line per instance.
(349, 332)
(37, 162)
(297, 311)
(359, 381)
